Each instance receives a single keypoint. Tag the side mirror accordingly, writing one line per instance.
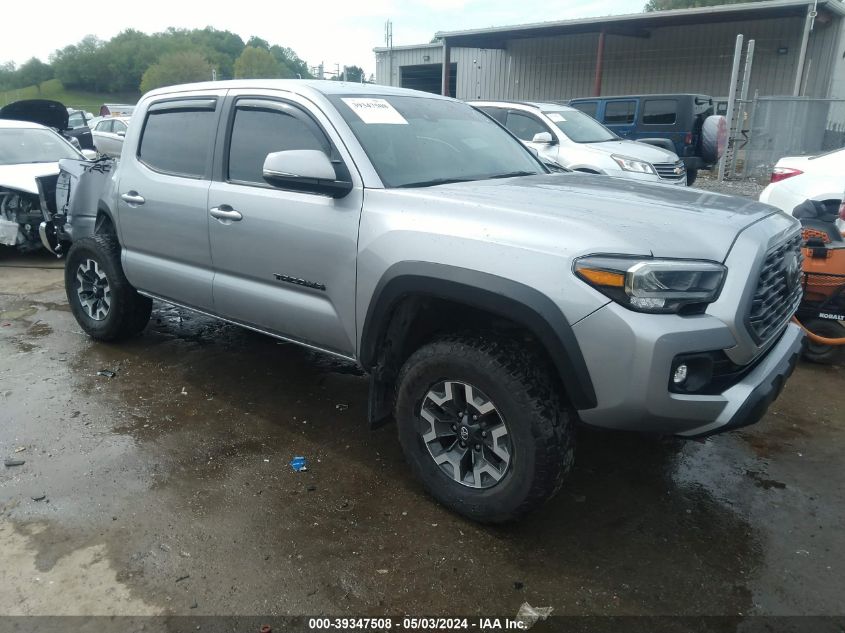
(543, 137)
(121, 133)
(304, 170)
(90, 154)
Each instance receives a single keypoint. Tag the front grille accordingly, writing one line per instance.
(668, 170)
(778, 291)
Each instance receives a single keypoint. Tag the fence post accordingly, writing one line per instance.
(731, 101)
(743, 103)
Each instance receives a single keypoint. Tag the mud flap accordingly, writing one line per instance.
(380, 400)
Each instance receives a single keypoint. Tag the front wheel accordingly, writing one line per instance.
(104, 303)
(483, 427)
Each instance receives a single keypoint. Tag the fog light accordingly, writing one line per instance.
(680, 375)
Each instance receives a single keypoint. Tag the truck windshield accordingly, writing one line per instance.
(580, 127)
(32, 145)
(419, 142)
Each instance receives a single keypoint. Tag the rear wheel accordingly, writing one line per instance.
(104, 303)
(483, 427)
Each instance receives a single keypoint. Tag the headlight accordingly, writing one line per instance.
(653, 285)
(626, 163)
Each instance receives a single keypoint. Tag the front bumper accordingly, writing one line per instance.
(630, 355)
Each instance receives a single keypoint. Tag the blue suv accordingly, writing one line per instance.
(682, 123)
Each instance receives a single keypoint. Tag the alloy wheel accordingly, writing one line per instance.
(93, 290)
(465, 434)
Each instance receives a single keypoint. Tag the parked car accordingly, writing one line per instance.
(796, 179)
(51, 114)
(29, 156)
(579, 142)
(109, 133)
(683, 123)
(78, 127)
(494, 304)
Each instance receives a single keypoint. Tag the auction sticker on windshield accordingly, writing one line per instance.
(375, 111)
(556, 117)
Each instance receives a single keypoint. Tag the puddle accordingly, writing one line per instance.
(21, 313)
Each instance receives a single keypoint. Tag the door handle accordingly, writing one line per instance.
(132, 198)
(225, 212)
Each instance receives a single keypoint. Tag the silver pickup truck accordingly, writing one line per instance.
(495, 305)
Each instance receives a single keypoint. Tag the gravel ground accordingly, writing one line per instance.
(742, 188)
(165, 489)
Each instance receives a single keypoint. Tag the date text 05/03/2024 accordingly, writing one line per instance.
(417, 624)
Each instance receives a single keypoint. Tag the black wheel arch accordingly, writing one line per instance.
(489, 293)
(104, 223)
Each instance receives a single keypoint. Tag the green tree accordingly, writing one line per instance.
(257, 42)
(292, 65)
(663, 5)
(33, 72)
(176, 68)
(257, 63)
(7, 75)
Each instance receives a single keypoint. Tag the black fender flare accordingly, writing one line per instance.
(104, 217)
(506, 298)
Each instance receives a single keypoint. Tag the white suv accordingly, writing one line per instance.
(577, 141)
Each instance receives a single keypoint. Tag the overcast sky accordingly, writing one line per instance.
(331, 31)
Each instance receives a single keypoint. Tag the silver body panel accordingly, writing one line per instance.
(527, 230)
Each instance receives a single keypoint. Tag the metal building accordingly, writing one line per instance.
(799, 51)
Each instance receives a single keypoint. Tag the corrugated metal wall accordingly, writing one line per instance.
(674, 59)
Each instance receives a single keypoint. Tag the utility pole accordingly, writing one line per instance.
(809, 22)
(388, 42)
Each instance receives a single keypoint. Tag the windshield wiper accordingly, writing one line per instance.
(433, 182)
(514, 174)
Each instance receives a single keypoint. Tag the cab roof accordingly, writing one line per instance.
(301, 86)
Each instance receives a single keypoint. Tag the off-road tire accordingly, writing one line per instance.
(541, 426)
(128, 312)
(823, 354)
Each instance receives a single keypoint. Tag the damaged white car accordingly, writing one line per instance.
(29, 170)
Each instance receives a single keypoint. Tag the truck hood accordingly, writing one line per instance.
(614, 215)
(23, 177)
(634, 149)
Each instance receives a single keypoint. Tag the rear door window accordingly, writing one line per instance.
(660, 111)
(104, 126)
(620, 112)
(524, 126)
(178, 141)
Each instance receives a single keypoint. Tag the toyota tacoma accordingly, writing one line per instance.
(495, 305)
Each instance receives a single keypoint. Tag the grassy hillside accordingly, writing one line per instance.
(53, 89)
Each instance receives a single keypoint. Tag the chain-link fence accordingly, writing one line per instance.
(773, 127)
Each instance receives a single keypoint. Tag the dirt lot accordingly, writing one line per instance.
(166, 490)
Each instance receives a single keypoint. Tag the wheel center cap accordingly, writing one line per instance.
(464, 433)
